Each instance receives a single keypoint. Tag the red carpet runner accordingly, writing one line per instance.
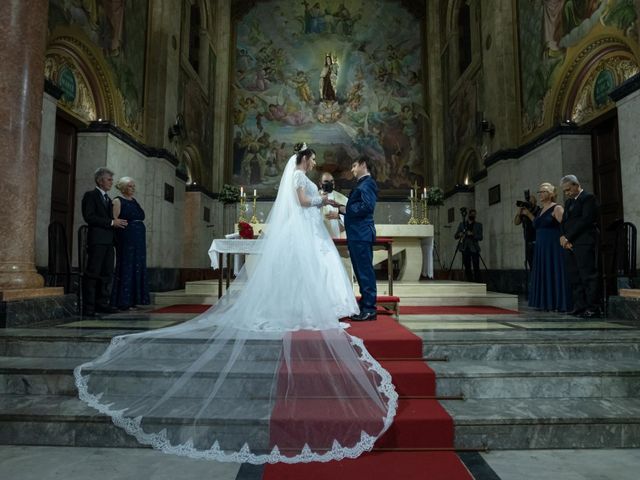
(420, 423)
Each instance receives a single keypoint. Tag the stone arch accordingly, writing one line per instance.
(192, 163)
(466, 166)
(581, 93)
(96, 91)
(453, 32)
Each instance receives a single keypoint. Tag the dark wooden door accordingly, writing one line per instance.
(64, 173)
(608, 188)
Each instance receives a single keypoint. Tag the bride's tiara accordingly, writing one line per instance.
(299, 147)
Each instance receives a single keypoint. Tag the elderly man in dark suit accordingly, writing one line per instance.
(97, 211)
(361, 233)
(579, 238)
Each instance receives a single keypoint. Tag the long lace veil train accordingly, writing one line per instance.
(266, 375)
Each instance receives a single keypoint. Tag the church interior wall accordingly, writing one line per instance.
(628, 121)
(493, 88)
(95, 57)
(197, 230)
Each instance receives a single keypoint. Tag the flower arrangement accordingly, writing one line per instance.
(229, 194)
(435, 197)
(245, 230)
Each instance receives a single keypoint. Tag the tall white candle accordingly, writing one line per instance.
(241, 191)
(254, 192)
(411, 192)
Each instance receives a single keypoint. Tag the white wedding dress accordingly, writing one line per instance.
(268, 374)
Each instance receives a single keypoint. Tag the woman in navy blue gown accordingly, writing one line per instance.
(130, 286)
(550, 289)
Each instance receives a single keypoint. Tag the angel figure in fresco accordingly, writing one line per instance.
(279, 108)
(301, 84)
(553, 28)
(114, 14)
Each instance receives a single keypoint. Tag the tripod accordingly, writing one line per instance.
(463, 236)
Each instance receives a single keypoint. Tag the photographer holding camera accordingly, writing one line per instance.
(469, 234)
(526, 212)
(332, 218)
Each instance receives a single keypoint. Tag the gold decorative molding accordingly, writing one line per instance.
(66, 47)
(586, 105)
(574, 76)
(83, 106)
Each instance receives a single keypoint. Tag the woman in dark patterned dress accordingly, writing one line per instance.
(131, 285)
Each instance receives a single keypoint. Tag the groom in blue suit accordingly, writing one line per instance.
(361, 233)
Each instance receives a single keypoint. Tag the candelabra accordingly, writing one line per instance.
(254, 219)
(412, 219)
(425, 207)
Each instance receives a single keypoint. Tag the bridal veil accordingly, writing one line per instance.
(268, 374)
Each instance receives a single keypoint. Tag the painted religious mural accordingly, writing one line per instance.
(548, 29)
(117, 29)
(334, 75)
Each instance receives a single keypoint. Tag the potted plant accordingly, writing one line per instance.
(435, 197)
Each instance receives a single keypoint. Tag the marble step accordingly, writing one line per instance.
(179, 297)
(495, 423)
(250, 379)
(67, 421)
(54, 376)
(532, 345)
(431, 288)
(513, 424)
(476, 345)
(539, 379)
(431, 293)
(93, 345)
(245, 380)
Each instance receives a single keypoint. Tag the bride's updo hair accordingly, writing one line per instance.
(302, 150)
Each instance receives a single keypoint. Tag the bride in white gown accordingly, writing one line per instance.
(268, 374)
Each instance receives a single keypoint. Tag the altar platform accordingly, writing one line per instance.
(427, 293)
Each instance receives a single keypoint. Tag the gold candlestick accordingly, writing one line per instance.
(254, 219)
(243, 209)
(425, 219)
(412, 219)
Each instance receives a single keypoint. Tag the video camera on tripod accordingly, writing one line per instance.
(466, 231)
(527, 201)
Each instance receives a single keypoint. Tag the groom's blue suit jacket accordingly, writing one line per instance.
(358, 217)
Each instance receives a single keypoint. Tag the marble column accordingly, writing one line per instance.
(23, 39)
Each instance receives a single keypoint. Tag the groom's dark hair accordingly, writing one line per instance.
(366, 160)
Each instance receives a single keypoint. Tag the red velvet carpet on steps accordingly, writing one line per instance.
(420, 423)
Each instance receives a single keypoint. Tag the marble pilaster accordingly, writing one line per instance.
(23, 37)
(45, 176)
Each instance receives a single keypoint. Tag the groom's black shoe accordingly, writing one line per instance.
(364, 317)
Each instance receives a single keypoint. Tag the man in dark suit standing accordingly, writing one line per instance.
(579, 238)
(361, 233)
(97, 212)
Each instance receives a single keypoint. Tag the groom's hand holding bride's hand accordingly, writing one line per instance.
(333, 203)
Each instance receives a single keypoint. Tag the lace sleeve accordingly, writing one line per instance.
(299, 179)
